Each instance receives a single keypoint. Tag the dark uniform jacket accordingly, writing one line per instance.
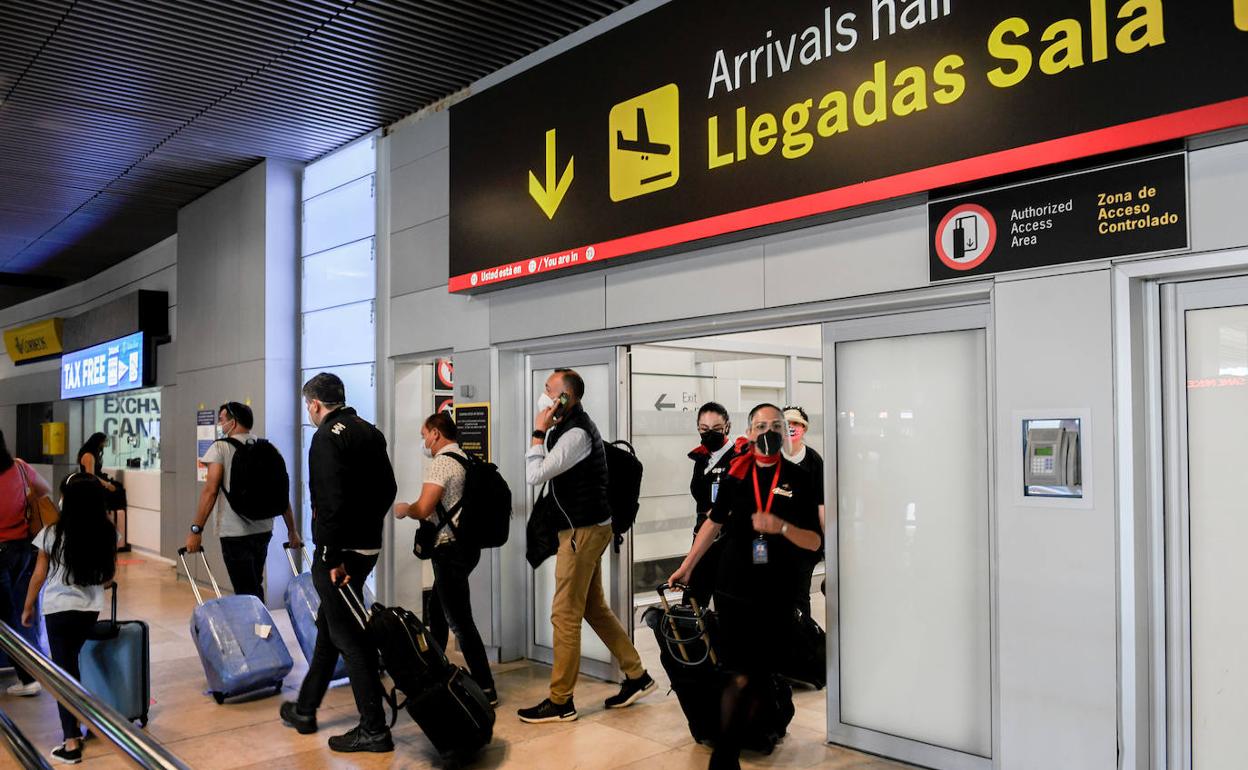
(351, 482)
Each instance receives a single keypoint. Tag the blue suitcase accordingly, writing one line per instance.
(302, 604)
(239, 645)
(115, 665)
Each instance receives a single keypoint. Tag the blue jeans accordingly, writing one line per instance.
(17, 564)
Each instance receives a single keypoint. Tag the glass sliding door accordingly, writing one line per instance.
(1206, 453)
(909, 577)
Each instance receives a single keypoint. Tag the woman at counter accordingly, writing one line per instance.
(91, 461)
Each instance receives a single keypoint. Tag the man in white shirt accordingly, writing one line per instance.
(244, 542)
(438, 508)
(567, 455)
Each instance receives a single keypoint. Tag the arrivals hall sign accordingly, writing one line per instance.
(707, 118)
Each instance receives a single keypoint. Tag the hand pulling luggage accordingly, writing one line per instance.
(302, 604)
(239, 645)
(115, 665)
(685, 634)
(442, 698)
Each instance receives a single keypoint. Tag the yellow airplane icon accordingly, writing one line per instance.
(644, 143)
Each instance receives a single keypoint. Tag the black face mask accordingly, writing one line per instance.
(713, 439)
(769, 443)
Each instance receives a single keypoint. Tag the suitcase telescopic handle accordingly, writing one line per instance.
(194, 586)
(355, 606)
(112, 585)
(290, 556)
(699, 618)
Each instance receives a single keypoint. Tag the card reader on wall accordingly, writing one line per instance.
(1052, 459)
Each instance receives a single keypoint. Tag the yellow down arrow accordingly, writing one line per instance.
(551, 195)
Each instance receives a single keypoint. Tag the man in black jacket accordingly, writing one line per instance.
(352, 486)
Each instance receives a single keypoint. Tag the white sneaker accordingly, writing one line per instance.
(25, 690)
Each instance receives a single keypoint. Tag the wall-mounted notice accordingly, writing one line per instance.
(1123, 210)
(472, 422)
(105, 368)
(640, 142)
(205, 434)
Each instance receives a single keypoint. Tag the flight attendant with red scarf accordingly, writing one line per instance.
(769, 515)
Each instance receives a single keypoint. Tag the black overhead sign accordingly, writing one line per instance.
(1128, 209)
(704, 118)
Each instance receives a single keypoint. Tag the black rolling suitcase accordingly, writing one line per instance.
(448, 705)
(685, 635)
(807, 663)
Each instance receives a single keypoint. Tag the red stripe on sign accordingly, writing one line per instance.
(1176, 125)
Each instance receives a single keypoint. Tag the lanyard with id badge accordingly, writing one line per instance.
(760, 543)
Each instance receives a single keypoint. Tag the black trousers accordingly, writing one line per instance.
(17, 564)
(244, 561)
(450, 609)
(338, 632)
(67, 632)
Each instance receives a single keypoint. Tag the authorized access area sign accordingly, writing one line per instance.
(1131, 208)
(705, 119)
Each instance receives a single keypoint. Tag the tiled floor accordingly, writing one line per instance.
(650, 735)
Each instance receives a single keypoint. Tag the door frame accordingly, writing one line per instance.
(618, 589)
(1177, 298)
(1142, 486)
(974, 317)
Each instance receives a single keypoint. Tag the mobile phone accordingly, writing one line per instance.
(561, 406)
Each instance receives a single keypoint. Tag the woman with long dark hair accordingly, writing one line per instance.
(91, 461)
(17, 557)
(77, 556)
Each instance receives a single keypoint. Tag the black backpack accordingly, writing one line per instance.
(484, 510)
(623, 487)
(259, 483)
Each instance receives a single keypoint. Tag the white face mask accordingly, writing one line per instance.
(544, 402)
(426, 451)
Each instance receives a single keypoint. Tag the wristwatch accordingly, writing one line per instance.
(196, 529)
(540, 435)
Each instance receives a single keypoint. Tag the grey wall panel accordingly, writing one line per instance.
(1056, 566)
(420, 191)
(280, 402)
(561, 306)
(707, 282)
(433, 320)
(172, 439)
(1219, 178)
(875, 253)
(472, 368)
(420, 257)
(413, 141)
(221, 245)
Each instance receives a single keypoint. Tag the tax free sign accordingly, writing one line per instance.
(709, 119)
(106, 368)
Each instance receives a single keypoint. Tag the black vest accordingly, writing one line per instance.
(581, 491)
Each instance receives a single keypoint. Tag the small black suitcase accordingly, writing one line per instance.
(807, 662)
(685, 634)
(442, 698)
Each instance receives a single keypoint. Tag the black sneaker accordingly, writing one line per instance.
(548, 711)
(357, 739)
(66, 756)
(631, 691)
(304, 724)
(491, 695)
